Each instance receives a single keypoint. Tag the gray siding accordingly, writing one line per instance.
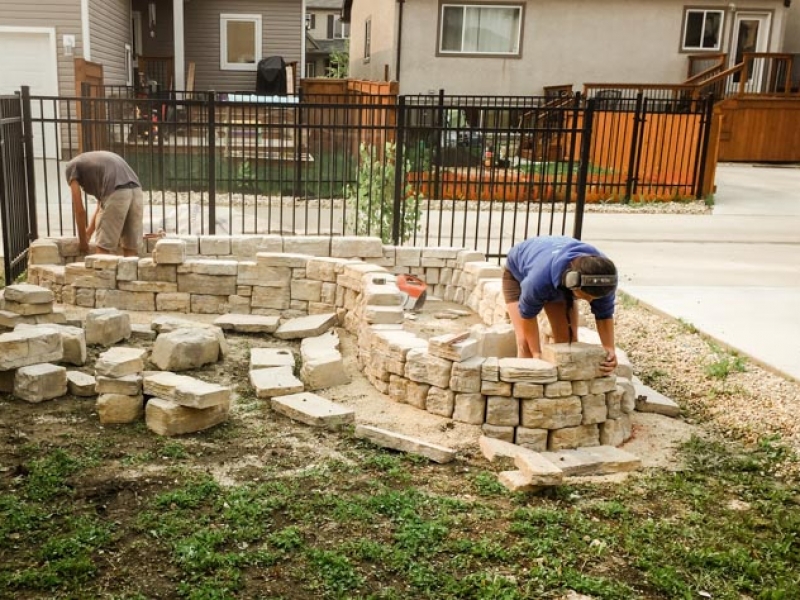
(282, 35)
(110, 30)
(64, 15)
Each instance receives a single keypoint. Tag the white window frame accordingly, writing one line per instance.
(224, 65)
(466, 5)
(311, 69)
(128, 65)
(705, 12)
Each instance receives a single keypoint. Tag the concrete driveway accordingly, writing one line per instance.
(734, 274)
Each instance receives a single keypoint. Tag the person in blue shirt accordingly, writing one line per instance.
(549, 273)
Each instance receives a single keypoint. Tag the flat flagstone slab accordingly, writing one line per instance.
(313, 410)
(276, 381)
(119, 362)
(264, 358)
(37, 383)
(25, 293)
(596, 460)
(167, 417)
(303, 327)
(81, 384)
(651, 401)
(404, 443)
(248, 323)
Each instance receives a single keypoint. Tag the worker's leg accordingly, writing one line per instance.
(111, 220)
(557, 315)
(132, 229)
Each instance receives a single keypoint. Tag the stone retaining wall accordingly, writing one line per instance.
(555, 403)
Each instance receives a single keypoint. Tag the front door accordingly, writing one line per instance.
(750, 34)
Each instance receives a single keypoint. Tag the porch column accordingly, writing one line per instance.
(179, 80)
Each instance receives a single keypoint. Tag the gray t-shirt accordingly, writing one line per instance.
(99, 173)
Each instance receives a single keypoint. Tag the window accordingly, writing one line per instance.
(367, 40)
(474, 29)
(702, 29)
(311, 69)
(128, 65)
(311, 21)
(240, 42)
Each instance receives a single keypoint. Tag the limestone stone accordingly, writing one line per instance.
(194, 393)
(312, 245)
(142, 301)
(102, 262)
(162, 384)
(529, 390)
(169, 251)
(516, 481)
(580, 388)
(483, 270)
(397, 388)
(211, 245)
(247, 273)
(408, 257)
(496, 388)
(404, 443)
(533, 439)
(384, 315)
(456, 351)
(628, 401)
(313, 410)
(494, 448)
(245, 246)
(303, 327)
(120, 361)
(25, 293)
(465, 376)
(81, 384)
(537, 469)
(27, 309)
(417, 394)
(156, 287)
(44, 252)
(323, 268)
(21, 348)
(614, 404)
(559, 389)
(84, 297)
(107, 326)
(530, 370)
(424, 368)
(173, 302)
(142, 332)
(129, 385)
(596, 460)
(167, 417)
(185, 349)
(576, 361)
(275, 381)
(282, 260)
(356, 246)
(306, 289)
(469, 408)
(503, 411)
(211, 267)
(247, 323)
(624, 366)
(612, 431)
(574, 437)
(264, 358)
(601, 385)
(128, 269)
(73, 341)
(323, 366)
(277, 298)
(496, 341)
(40, 382)
(75, 271)
(150, 271)
(440, 402)
(211, 285)
(551, 413)
(206, 304)
(595, 409)
(649, 400)
(116, 409)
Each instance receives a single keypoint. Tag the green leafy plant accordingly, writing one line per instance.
(373, 198)
(339, 62)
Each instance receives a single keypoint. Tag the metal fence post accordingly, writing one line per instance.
(708, 115)
(583, 174)
(399, 171)
(635, 149)
(30, 174)
(212, 163)
(441, 131)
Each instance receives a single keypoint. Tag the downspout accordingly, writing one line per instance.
(86, 31)
(399, 39)
(179, 66)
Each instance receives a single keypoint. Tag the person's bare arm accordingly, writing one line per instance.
(80, 215)
(527, 333)
(93, 223)
(605, 328)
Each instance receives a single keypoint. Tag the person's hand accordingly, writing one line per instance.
(609, 364)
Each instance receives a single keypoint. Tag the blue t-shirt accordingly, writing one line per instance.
(539, 264)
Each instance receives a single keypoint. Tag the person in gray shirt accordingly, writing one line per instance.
(118, 217)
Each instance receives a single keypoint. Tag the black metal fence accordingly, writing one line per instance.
(17, 213)
(482, 172)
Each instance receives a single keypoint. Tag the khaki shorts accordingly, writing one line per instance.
(120, 221)
(511, 288)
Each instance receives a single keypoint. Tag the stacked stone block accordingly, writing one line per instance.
(28, 304)
(179, 404)
(118, 374)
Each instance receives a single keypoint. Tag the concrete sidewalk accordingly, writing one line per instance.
(734, 275)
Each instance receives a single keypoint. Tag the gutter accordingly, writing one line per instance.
(399, 39)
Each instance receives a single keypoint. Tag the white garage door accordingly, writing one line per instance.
(29, 58)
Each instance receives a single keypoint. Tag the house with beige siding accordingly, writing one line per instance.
(326, 33)
(222, 39)
(518, 47)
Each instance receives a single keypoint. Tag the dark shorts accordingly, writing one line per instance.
(511, 288)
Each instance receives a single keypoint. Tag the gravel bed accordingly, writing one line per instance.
(673, 358)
